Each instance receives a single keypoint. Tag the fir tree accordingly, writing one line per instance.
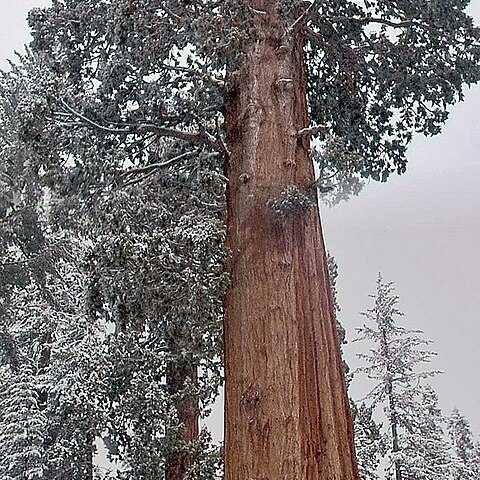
(414, 438)
(368, 444)
(48, 348)
(51, 377)
(425, 453)
(465, 450)
(476, 459)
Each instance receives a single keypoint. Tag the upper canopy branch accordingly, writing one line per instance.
(366, 20)
(310, 13)
(304, 16)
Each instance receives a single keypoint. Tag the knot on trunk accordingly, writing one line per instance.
(285, 85)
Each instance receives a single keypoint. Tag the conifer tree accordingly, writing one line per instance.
(48, 348)
(51, 374)
(368, 444)
(425, 452)
(414, 439)
(476, 458)
(466, 452)
(140, 112)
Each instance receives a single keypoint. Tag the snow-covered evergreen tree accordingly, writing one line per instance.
(467, 465)
(48, 347)
(414, 441)
(125, 111)
(368, 444)
(425, 452)
(51, 375)
(476, 458)
(156, 277)
(158, 265)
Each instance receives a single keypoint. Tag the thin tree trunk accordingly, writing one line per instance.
(89, 448)
(178, 374)
(394, 430)
(391, 401)
(287, 411)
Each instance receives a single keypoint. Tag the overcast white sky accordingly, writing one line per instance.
(420, 230)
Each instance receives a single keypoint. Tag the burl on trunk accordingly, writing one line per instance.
(287, 413)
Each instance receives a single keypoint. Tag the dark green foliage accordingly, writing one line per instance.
(380, 71)
(155, 267)
(159, 267)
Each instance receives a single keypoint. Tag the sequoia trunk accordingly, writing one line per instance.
(287, 413)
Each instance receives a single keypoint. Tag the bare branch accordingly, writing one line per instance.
(140, 128)
(365, 20)
(258, 12)
(91, 122)
(169, 12)
(8, 177)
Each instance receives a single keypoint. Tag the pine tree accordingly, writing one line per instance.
(476, 459)
(425, 453)
(48, 348)
(138, 112)
(50, 380)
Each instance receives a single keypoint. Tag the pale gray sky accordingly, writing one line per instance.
(421, 230)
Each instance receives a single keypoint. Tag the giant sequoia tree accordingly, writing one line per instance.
(141, 112)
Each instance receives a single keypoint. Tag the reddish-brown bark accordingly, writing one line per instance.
(287, 413)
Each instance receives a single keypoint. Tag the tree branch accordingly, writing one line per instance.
(206, 78)
(157, 166)
(178, 18)
(258, 12)
(312, 130)
(366, 20)
(193, 137)
(303, 16)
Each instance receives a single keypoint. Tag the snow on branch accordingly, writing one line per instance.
(304, 16)
(312, 130)
(158, 166)
(139, 128)
(366, 20)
